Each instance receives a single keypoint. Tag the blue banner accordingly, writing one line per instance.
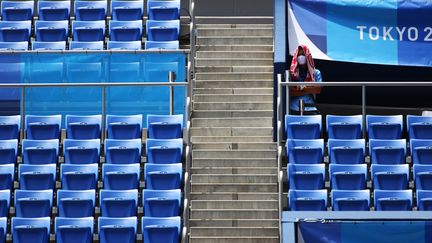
(392, 32)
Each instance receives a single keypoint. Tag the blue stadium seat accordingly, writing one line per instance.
(37, 152)
(348, 177)
(303, 127)
(17, 10)
(125, 30)
(37, 177)
(14, 31)
(53, 10)
(43, 127)
(33, 204)
(121, 177)
(79, 177)
(7, 176)
(124, 45)
(76, 204)
(124, 127)
(164, 151)
(10, 127)
(166, 229)
(91, 45)
(114, 230)
(390, 177)
(421, 151)
(424, 200)
(48, 46)
(306, 177)
(163, 10)
(350, 200)
(423, 177)
(26, 230)
(51, 31)
(78, 151)
(163, 30)
(161, 203)
(163, 177)
(344, 127)
(68, 230)
(3, 229)
(88, 30)
(8, 151)
(127, 10)
(384, 127)
(305, 151)
(165, 126)
(14, 46)
(419, 127)
(118, 203)
(307, 200)
(389, 152)
(393, 200)
(90, 10)
(5, 196)
(123, 151)
(351, 151)
(164, 45)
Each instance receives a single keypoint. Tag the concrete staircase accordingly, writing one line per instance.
(234, 167)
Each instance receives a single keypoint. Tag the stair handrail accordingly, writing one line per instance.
(279, 153)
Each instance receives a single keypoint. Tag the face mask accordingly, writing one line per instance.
(301, 60)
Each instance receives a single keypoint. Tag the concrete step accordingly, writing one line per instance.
(200, 69)
(250, 91)
(234, 162)
(234, 146)
(234, 231)
(234, 170)
(232, 122)
(235, 32)
(234, 196)
(233, 26)
(234, 61)
(235, 179)
(234, 204)
(234, 76)
(265, 83)
(231, 139)
(234, 40)
(233, 106)
(231, 131)
(234, 214)
(233, 239)
(234, 187)
(223, 47)
(234, 222)
(217, 153)
(231, 114)
(235, 54)
(232, 98)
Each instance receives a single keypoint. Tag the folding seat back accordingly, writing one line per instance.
(424, 200)
(87, 45)
(384, 127)
(51, 31)
(421, 151)
(163, 177)
(90, 10)
(393, 200)
(166, 229)
(123, 151)
(306, 177)
(305, 151)
(83, 127)
(423, 177)
(388, 152)
(344, 127)
(121, 177)
(30, 229)
(351, 200)
(17, 10)
(164, 45)
(124, 127)
(13, 46)
(163, 30)
(88, 30)
(125, 30)
(3, 229)
(53, 10)
(163, 10)
(77, 151)
(164, 151)
(33, 204)
(118, 203)
(49, 46)
(37, 177)
(76, 204)
(307, 200)
(117, 229)
(7, 176)
(351, 151)
(348, 177)
(419, 127)
(38, 152)
(165, 126)
(8, 151)
(161, 203)
(303, 127)
(5, 196)
(79, 177)
(124, 45)
(127, 10)
(14, 31)
(43, 127)
(390, 177)
(10, 127)
(69, 230)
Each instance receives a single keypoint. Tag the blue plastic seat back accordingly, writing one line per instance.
(348, 177)
(163, 10)
(79, 177)
(91, 45)
(307, 200)
(14, 46)
(118, 203)
(164, 151)
(165, 229)
(393, 200)
(8, 151)
(163, 177)
(123, 151)
(163, 30)
(124, 127)
(17, 10)
(125, 30)
(421, 151)
(161, 203)
(384, 127)
(164, 45)
(7, 176)
(388, 152)
(419, 127)
(127, 10)
(49, 46)
(303, 127)
(76, 203)
(43, 127)
(5, 197)
(90, 10)
(390, 177)
(165, 126)
(346, 151)
(344, 127)
(69, 230)
(3, 229)
(53, 10)
(30, 229)
(38, 152)
(422, 177)
(121, 177)
(306, 177)
(124, 45)
(424, 200)
(10, 127)
(14, 31)
(117, 229)
(77, 151)
(305, 151)
(351, 200)
(88, 30)
(51, 31)
(37, 177)
(33, 203)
